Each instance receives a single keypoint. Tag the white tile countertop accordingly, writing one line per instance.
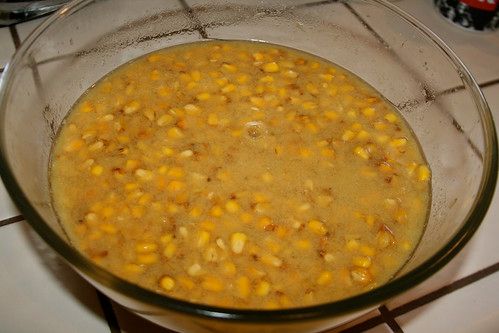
(39, 292)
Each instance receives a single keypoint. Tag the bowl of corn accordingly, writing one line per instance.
(81, 43)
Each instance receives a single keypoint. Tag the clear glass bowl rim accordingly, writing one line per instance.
(375, 296)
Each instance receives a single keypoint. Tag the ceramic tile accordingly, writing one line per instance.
(7, 207)
(6, 46)
(474, 308)
(383, 328)
(478, 51)
(357, 321)
(39, 291)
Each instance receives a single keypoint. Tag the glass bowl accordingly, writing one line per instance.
(402, 59)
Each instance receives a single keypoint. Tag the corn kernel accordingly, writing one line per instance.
(331, 115)
(363, 135)
(167, 283)
(207, 225)
(229, 68)
(203, 238)
(361, 152)
(368, 112)
(194, 270)
(175, 133)
(327, 152)
(74, 145)
(352, 245)
(423, 173)
(169, 250)
(271, 260)
(144, 175)
(176, 172)
(229, 268)
(195, 212)
(108, 228)
(263, 288)
(303, 244)
(212, 283)
(186, 283)
(271, 67)
(232, 206)
(164, 120)
(133, 268)
(166, 238)
(97, 170)
(212, 119)
(360, 275)
(399, 142)
(147, 259)
(324, 278)
(243, 286)
(131, 107)
(87, 107)
(203, 96)
(347, 135)
(317, 227)
(146, 247)
(229, 88)
(216, 211)
(391, 117)
(175, 186)
(238, 240)
(246, 217)
(267, 177)
(364, 262)
(163, 91)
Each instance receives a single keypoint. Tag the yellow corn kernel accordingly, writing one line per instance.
(363, 135)
(212, 283)
(304, 152)
(222, 81)
(399, 142)
(347, 135)
(212, 119)
(74, 145)
(175, 133)
(170, 250)
(324, 278)
(144, 175)
(145, 199)
(146, 247)
(322, 143)
(163, 91)
(229, 268)
(317, 227)
(328, 257)
(207, 225)
(263, 288)
(175, 186)
(257, 101)
(203, 96)
(361, 152)
(108, 228)
(203, 238)
(223, 175)
(133, 268)
(331, 115)
(411, 167)
(352, 245)
(131, 107)
(271, 260)
(164, 120)
(186, 283)
(327, 152)
(314, 65)
(196, 75)
(303, 244)
(229, 88)
(96, 146)
(382, 138)
(147, 259)
(97, 170)
(258, 56)
(406, 245)
(291, 74)
(367, 250)
(260, 197)
(326, 77)
(87, 107)
(167, 283)
(368, 112)
(361, 275)
(243, 286)
(172, 208)
(271, 67)
(242, 79)
(267, 79)
(216, 211)
(229, 68)
(362, 261)
(309, 105)
(391, 117)
(267, 177)
(166, 238)
(155, 75)
(232, 206)
(238, 240)
(265, 222)
(176, 172)
(423, 173)
(195, 212)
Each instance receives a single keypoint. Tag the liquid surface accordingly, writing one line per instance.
(240, 174)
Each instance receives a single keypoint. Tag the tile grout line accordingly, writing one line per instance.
(389, 319)
(445, 290)
(199, 27)
(109, 314)
(10, 220)
(15, 36)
